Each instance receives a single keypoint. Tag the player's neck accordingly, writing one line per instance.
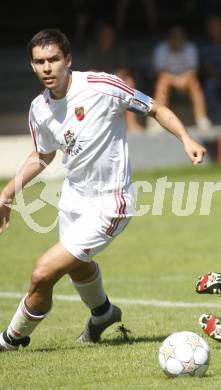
(62, 92)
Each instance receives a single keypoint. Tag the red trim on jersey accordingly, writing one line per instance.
(33, 136)
(114, 79)
(121, 214)
(115, 85)
(111, 81)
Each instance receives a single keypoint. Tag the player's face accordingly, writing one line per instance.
(52, 68)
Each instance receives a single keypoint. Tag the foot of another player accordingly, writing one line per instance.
(211, 325)
(209, 283)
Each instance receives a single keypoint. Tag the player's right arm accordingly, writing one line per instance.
(34, 164)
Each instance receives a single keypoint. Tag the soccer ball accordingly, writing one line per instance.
(184, 353)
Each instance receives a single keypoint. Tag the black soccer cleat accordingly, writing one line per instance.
(8, 343)
(92, 332)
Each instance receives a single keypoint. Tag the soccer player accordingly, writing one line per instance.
(210, 283)
(81, 114)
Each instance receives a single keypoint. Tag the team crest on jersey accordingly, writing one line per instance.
(69, 140)
(79, 112)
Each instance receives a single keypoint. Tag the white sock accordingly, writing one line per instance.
(23, 322)
(93, 295)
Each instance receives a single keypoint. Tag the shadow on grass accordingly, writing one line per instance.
(133, 340)
(47, 349)
(124, 336)
(115, 341)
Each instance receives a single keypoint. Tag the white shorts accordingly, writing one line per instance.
(89, 224)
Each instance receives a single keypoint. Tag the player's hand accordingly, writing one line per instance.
(194, 151)
(5, 210)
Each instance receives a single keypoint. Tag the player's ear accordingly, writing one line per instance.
(33, 66)
(68, 60)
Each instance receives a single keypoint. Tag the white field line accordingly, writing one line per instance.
(123, 301)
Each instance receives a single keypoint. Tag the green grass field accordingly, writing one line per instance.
(156, 258)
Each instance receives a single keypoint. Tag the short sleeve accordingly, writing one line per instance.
(123, 96)
(42, 137)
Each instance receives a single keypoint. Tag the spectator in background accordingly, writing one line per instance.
(107, 56)
(175, 63)
(211, 57)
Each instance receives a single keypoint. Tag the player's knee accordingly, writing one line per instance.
(41, 277)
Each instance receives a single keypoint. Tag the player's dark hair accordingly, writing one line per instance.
(47, 37)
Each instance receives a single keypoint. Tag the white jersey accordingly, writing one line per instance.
(88, 126)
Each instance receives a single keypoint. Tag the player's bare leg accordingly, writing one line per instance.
(54, 264)
(35, 306)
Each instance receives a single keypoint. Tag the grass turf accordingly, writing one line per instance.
(157, 257)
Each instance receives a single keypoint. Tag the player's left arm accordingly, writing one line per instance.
(172, 123)
(126, 98)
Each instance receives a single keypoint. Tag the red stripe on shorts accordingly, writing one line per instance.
(121, 207)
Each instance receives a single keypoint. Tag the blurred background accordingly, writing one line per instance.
(170, 50)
